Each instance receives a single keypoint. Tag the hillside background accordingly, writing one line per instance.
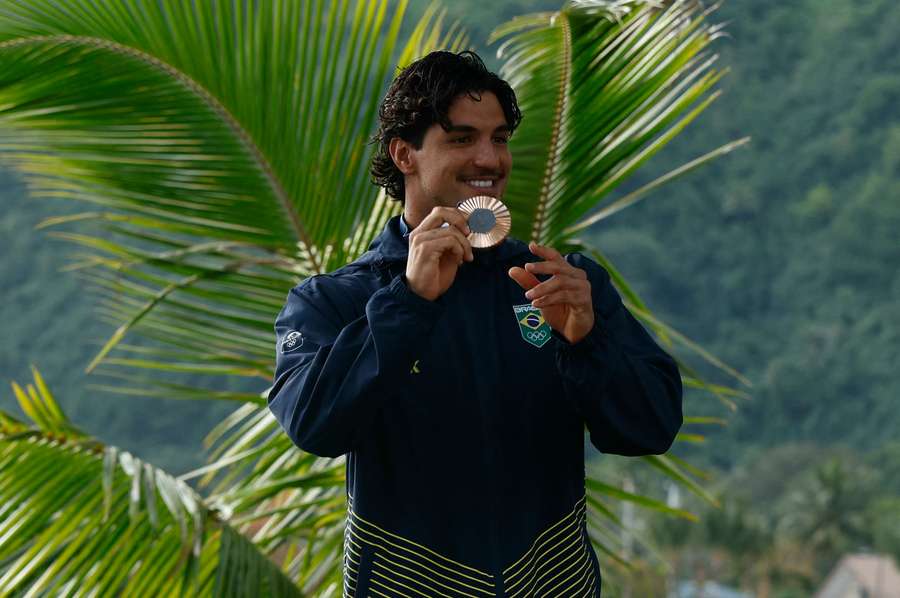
(782, 258)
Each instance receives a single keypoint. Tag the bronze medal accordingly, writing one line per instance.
(488, 219)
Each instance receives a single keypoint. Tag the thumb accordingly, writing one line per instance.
(526, 279)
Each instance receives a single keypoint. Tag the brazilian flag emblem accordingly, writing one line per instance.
(534, 328)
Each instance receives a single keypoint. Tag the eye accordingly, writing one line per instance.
(502, 139)
(461, 140)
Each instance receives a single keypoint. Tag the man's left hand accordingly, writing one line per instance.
(564, 299)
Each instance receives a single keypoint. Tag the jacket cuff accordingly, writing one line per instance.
(591, 341)
(399, 288)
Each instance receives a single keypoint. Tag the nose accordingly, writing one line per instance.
(488, 155)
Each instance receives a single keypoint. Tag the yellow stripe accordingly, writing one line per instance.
(549, 551)
(425, 548)
(376, 572)
(442, 566)
(548, 559)
(533, 573)
(590, 583)
(376, 592)
(545, 532)
(536, 548)
(351, 573)
(354, 544)
(354, 562)
(537, 578)
(574, 563)
(535, 561)
(585, 573)
(389, 551)
(348, 550)
(542, 555)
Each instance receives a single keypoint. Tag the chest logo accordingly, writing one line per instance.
(535, 330)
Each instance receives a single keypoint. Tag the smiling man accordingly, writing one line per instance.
(459, 381)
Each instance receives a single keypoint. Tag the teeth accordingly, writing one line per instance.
(480, 183)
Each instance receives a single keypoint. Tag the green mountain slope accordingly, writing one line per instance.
(783, 258)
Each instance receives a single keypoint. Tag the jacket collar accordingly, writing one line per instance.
(391, 245)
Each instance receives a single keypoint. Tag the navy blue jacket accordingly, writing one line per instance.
(463, 420)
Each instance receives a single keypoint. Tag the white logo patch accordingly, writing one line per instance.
(291, 342)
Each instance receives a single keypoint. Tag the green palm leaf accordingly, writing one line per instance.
(605, 85)
(81, 518)
(165, 110)
(294, 502)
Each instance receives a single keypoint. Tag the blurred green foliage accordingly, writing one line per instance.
(47, 319)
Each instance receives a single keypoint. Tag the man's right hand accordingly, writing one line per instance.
(436, 252)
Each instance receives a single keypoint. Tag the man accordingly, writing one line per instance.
(458, 381)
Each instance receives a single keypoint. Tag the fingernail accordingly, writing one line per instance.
(528, 294)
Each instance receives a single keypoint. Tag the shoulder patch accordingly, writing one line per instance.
(293, 340)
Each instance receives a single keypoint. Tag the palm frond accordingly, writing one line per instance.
(165, 109)
(604, 84)
(291, 504)
(77, 516)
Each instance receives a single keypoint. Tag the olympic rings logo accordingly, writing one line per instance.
(536, 335)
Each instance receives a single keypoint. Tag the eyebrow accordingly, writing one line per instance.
(470, 129)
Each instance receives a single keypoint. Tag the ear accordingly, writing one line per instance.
(402, 154)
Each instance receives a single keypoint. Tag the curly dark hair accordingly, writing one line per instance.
(421, 95)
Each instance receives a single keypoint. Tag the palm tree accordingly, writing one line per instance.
(223, 149)
(826, 513)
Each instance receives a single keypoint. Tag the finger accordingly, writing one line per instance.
(581, 288)
(563, 268)
(438, 241)
(438, 233)
(548, 253)
(436, 248)
(439, 216)
(563, 297)
(525, 279)
(548, 286)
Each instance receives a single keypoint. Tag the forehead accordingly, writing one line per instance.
(483, 113)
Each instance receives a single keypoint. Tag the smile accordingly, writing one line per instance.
(483, 184)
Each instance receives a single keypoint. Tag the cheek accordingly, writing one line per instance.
(451, 167)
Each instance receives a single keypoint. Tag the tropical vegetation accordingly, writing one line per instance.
(222, 149)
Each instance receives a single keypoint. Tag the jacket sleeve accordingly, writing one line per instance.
(334, 365)
(627, 389)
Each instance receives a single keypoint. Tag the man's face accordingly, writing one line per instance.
(471, 158)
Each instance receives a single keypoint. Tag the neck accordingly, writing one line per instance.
(414, 215)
